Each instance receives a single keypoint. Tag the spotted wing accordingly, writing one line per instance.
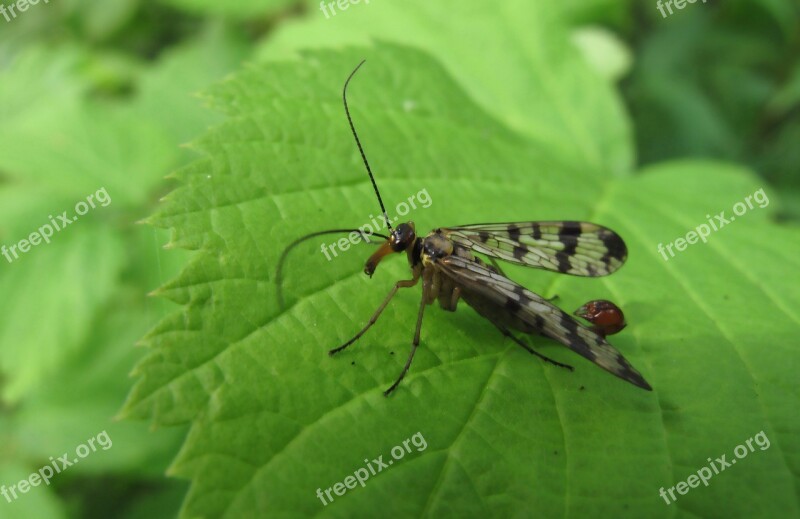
(538, 313)
(577, 248)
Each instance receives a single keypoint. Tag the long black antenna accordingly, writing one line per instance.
(298, 241)
(358, 143)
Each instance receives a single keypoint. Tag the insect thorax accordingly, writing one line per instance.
(435, 246)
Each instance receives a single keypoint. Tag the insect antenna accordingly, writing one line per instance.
(298, 241)
(358, 143)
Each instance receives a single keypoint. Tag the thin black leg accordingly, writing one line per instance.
(497, 266)
(531, 350)
(414, 345)
(397, 286)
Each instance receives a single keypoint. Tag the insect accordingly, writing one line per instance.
(606, 317)
(446, 264)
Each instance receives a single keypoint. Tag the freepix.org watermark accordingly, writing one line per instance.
(679, 4)
(714, 467)
(19, 6)
(329, 8)
(56, 466)
(703, 231)
(372, 468)
(367, 230)
(46, 231)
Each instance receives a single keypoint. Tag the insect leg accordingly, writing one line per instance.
(531, 350)
(497, 266)
(455, 297)
(414, 345)
(397, 286)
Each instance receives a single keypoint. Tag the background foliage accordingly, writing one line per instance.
(592, 109)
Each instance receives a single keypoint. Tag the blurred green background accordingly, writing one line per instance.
(101, 94)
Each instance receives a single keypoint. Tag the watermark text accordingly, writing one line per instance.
(372, 468)
(367, 230)
(679, 4)
(56, 466)
(19, 6)
(714, 467)
(703, 231)
(46, 231)
(329, 8)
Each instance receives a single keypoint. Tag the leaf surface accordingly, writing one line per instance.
(273, 418)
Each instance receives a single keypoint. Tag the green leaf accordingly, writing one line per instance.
(78, 149)
(38, 502)
(511, 58)
(82, 398)
(737, 109)
(241, 9)
(93, 399)
(60, 280)
(98, 19)
(39, 80)
(603, 51)
(273, 418)
(581, 12)
(171, 87)
(73, 308)
(53, 156)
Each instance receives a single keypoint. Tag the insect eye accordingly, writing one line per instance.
(402, 237)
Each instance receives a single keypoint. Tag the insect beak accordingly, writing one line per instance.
(372, 262)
